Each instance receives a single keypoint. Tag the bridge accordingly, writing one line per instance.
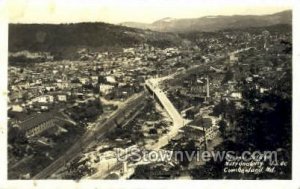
(153, 86)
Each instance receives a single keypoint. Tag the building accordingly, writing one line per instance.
(236, 95)
(232, 58)
(194, 133)
(62, 98)
(205, 124)
(84, 80)
(62, 85)
(106, 89)
(38, 124)
(111, 79)
(17, 108)
(44, 99)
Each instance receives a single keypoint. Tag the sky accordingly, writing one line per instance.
(118, 11)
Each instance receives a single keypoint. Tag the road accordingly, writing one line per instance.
(100, 130)
(178, 121)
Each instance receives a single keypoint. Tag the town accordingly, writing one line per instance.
(68, 118)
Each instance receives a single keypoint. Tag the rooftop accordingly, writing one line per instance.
(201, 122)
(37, 119)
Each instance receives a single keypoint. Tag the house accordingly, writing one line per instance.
(24, 85)
(94, 79)
(236, 95)
(44, 99)
(62, 98)
(110, 79)
(83, 80)
(50, 88)
(129, 50)
(62, 85)
(263, 90)
(106, 89)
(232, 58)
(17, 108)
(44, 108)
(249, 79)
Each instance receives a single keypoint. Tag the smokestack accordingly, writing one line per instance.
(207, 87)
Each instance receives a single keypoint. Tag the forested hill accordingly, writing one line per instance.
(58, 37)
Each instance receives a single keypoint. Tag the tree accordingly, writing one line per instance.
(142, 172)
(222, 127)
(219, 108)
(153, 131)
(187, 151)
(15, 135)
(228, 76)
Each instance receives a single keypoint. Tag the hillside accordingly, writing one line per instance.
(69, 37)
(215, 23)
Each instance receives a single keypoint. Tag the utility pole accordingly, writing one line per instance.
(205, 145)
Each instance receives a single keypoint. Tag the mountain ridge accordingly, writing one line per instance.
(214, 23)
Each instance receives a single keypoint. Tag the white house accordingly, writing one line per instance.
(236, 95)
(62, 97)
(110, 79)
(106, 89)
(17, 108)
(44, 99)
